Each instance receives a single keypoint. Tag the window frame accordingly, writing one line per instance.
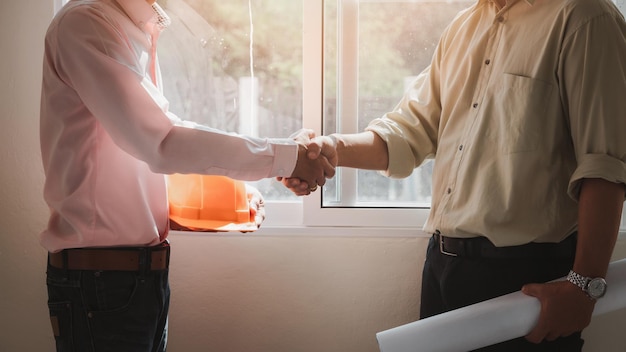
(314, 214)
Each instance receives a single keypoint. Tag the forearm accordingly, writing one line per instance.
(365, 150)
(565, 309)
(600, 208)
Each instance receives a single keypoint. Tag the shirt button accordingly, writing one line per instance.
(449, 190)
(461, 147)
(500, 19)
(487, 62)
(475, 105)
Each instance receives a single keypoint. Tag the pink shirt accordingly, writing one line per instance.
(107, 137)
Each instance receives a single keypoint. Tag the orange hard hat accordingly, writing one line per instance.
(209, 203)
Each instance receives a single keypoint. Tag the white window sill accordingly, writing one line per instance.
(304, 231)
(310, 231)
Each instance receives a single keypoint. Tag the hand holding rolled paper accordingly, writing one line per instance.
(489, 322)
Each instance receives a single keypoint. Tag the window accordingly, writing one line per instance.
(373, 49)
(232, 66)
(372, 52)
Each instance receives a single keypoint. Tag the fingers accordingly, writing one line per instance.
(314, 149)
(329, 169)
(313, 172)
(317, 160)
(539, 332)
(326, 147)
(303, 136)
(565, 309)
(257, 211)
(323, 145)
(257, 205)
(259, 215)
(323, 148)
(329, 149)
(297, 186)
(533, 290)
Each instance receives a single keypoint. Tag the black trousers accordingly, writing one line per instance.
(450, 282)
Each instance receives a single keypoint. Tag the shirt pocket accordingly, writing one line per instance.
(519, 113)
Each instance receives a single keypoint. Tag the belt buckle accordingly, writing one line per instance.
(442, 250)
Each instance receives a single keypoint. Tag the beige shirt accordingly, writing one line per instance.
(518, 105)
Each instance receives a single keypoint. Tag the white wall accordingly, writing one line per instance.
(230, 293)
(24, 325)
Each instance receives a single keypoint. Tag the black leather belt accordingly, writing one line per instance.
(481, 247)
(113, 259)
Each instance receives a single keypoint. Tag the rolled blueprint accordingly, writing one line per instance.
(489, 322)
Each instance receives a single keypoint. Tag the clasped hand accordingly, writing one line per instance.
(565, 309)
(317, 160)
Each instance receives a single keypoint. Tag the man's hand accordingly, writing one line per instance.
(317, 159)
(312, 171)
(325, 146)
(257, 205)
(565, 309)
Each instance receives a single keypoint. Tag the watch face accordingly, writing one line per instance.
(596, 287)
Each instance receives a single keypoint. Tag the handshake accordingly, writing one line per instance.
(317, 160)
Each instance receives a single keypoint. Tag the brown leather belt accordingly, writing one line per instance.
(114, 259)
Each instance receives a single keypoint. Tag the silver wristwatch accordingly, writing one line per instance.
(593, 287)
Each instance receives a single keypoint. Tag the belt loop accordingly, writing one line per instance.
(145, 259)
(66, 267)
(168, 252)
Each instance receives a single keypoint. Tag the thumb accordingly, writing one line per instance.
(330, 152)
(314, 149)
(303, 135)
(326, 146)
(533, 290)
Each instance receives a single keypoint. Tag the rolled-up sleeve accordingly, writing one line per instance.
(598, 166)
(411, 129)
(595, 86)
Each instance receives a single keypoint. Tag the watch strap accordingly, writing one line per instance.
(593, 287)
(578, 280)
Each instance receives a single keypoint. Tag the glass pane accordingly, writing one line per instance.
(232, 65)
(394, 42)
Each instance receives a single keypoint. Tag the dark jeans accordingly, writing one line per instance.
(451, 282)
(98, 311)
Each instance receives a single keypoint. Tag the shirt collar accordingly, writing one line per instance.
(529, 2)
(143, 14)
